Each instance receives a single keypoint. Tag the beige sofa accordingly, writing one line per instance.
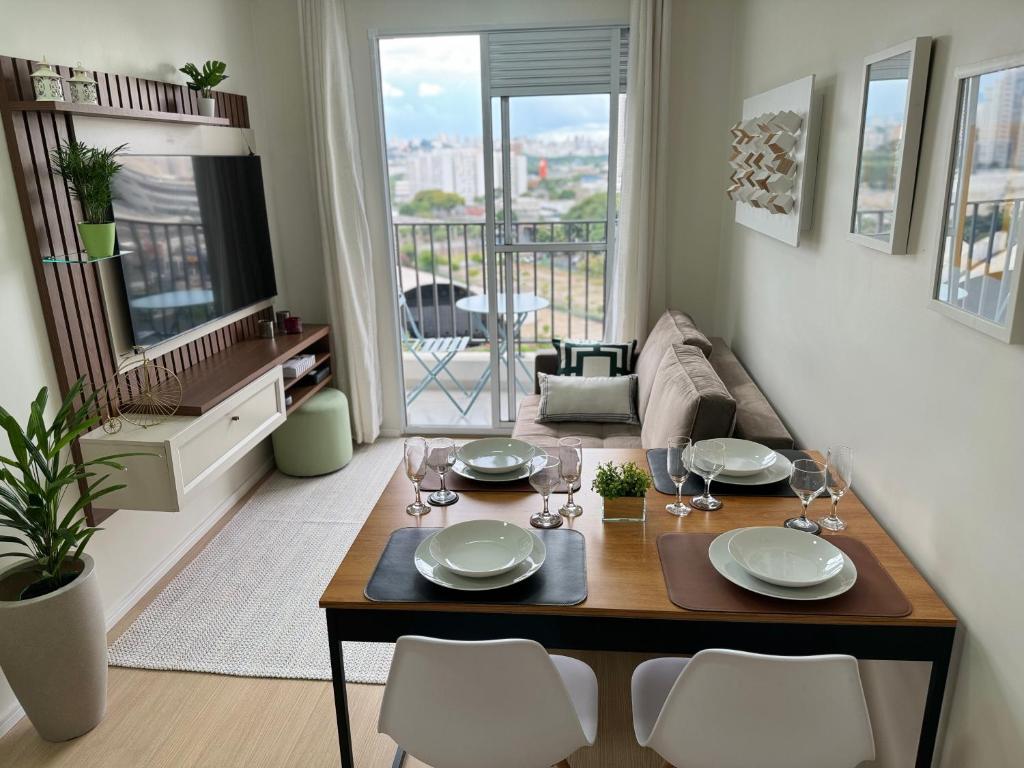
(686, 382)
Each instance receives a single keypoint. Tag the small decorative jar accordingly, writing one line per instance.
(46, 83)
(83, 87)
(622, 509)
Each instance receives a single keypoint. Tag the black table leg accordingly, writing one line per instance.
(340, 693)
(943, 648)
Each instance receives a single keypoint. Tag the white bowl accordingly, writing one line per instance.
(496, 455)
(479, 549)
(744, 458)
(786, 557)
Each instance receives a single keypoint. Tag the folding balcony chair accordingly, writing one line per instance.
(433, 353)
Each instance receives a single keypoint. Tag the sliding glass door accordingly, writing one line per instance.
(501, 151)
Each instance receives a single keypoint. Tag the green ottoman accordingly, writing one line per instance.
(316, 438)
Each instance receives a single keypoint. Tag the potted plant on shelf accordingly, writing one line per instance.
(89, 172)
(53, 647)
(204, 81)
(623, 491)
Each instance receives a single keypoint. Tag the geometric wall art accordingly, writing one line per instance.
(772, 158)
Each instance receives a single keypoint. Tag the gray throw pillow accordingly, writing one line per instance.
(588, 398)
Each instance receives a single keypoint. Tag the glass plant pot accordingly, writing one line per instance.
(624, 509)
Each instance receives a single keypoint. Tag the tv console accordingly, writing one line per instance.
(231, 401)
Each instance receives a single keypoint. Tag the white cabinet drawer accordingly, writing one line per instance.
(232, 427)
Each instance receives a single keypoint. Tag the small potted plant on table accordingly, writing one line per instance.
(623, 491)
(89, 172)
(204, 81)
(53, 639)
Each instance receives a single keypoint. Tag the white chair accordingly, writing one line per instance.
(730, 709)
(496, 703)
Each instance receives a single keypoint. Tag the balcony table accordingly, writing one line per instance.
(628, 608)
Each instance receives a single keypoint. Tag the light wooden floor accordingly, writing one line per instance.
(183, 719)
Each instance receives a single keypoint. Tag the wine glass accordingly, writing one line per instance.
(570, 454)
(708, 460)
(678, 458)
(441, 458)
(838, 478)
(807, 479)
(415, 461)
(545, 475)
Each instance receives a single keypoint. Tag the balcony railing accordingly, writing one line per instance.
(441, 262)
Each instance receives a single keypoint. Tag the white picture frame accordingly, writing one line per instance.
(919, 52)
(1011, 331)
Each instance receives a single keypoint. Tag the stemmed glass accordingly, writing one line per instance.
(838, 478)
(708, 460)
(570, 454)
(807, 479)
(678, 458)
(545, 475)
(441, 458)
(415, 459)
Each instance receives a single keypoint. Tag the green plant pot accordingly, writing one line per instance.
(98, 239)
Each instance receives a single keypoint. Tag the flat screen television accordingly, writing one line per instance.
(194, 240)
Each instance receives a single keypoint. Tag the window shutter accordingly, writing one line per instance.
(557, 61)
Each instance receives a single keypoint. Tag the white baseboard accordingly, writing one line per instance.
(117, 612)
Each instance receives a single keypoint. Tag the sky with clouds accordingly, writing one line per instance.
(431, 85)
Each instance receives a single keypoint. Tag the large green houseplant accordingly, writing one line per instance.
(89, 172)
(52, 628)
(203, 81)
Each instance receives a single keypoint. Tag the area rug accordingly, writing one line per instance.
(247, 605)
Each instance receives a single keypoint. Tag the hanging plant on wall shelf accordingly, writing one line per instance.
(204, 81)
(89, 172)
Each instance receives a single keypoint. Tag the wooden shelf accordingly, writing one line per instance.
(320, 358)
(219, 376)
(122, 113)
(306, 391)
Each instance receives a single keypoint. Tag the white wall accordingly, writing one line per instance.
(148, 40)
(842, 341)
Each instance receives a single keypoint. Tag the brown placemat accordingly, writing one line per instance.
(457, 482)
(694, 584)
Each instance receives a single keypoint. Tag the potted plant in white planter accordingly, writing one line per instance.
(623, 491)
(53, 641)
(204, 81)
(89, 172)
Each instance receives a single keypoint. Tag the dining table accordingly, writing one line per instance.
(627, 607)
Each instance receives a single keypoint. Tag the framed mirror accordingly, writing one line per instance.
(891, 112)
(977, 276)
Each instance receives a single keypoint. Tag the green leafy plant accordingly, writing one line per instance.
(206, 79)
(88, 171)
(627, 479)
(34, 482)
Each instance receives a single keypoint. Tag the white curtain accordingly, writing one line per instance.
(638, 267)
(344, 230)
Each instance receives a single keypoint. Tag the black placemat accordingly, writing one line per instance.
(694, 484)
(562, 580)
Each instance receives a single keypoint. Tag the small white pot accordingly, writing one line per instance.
(53, 651)
(207, 107)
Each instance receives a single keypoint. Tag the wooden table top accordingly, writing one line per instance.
(623, 567)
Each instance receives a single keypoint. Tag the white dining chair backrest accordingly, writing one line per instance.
(495, 703)
(730, 709)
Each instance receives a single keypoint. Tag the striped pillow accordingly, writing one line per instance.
(588, 398)
(594, 358)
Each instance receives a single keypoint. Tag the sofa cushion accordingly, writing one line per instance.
(588, 398)
(755, 418)
(673, 326)
(594, 358)
(687, 398)
(593, 434)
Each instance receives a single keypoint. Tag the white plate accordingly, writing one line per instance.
(723, 562)
(481, 548)
(433, 571)
(744, 458)
(496, 455)
(786, 557)
(460, 468)
(778, 471)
